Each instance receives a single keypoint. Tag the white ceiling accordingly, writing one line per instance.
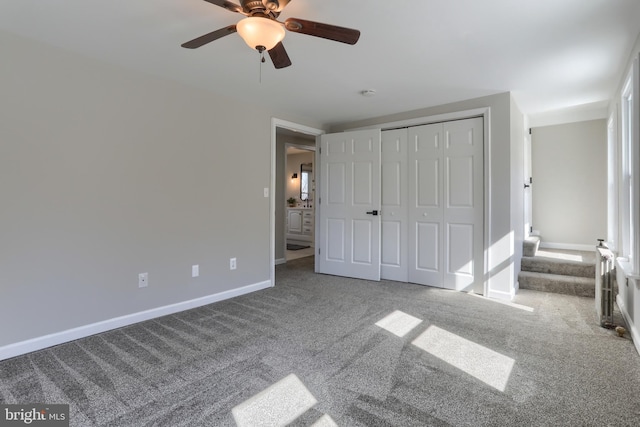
(552, 54)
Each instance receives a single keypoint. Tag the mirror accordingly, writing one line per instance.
(305, 180)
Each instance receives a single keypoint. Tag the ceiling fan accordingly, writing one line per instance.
(262, 31)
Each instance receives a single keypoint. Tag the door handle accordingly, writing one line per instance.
(374, 213)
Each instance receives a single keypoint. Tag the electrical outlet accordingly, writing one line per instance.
(232, 264)
(143, 280)
(195, 270)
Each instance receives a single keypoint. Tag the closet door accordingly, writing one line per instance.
(393, 254)
(463, 151)
(425, 234)
(446, 204)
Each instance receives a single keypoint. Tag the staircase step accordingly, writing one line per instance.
(558, 283)
(530, 246)
(539, 264)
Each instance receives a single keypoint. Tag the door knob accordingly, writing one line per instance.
(374, 213)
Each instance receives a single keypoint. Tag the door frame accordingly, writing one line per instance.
(296, 127)
(485, 113)
(528, 177)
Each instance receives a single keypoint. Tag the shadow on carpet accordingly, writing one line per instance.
(293, 247)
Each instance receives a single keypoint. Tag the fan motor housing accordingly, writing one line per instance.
(267, 7)
(275, 5)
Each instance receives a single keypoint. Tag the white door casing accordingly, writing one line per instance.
(349, 237)
(394, 246)
(528, 190)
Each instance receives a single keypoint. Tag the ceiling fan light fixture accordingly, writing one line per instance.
(256, 31)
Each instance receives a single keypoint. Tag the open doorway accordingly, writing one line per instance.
(288, 134)
(300, 197)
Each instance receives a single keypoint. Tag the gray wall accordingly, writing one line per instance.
(570, 183)
(505, 219)
(106, 173)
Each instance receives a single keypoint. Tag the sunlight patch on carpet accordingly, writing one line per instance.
(488, 366)
(325, 421)
(507, 303)
(399, 323)
(277, 405)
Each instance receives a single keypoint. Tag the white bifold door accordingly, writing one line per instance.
(446, 204)
(404, 204)
(394, 249)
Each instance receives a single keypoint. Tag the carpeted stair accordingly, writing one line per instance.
(530, 246)
(547, 271)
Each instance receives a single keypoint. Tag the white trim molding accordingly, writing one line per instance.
(38, 343)
(504, 296)
(612, 181)
(633, 331)
(425, 120)
(635, 165)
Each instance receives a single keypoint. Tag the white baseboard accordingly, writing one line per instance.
(635, 335)
(27, 346)
(504, 296)
(280, 261)
(568, 246)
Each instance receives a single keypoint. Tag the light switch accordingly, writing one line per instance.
(266, 192)
(143, 280)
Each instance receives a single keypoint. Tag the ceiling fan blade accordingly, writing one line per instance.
(279, 56)
(227, 5)
(325, 31)
(208, 38)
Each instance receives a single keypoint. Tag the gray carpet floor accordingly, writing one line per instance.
(322, 350)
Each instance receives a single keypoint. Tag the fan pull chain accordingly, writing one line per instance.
(261, 50)
(261, 62)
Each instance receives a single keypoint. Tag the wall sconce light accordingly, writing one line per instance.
(294, 176)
